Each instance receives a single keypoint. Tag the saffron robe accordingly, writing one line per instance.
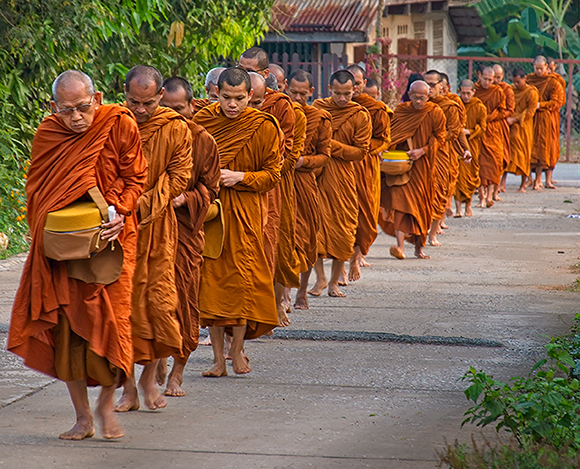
(199, 104)
(236, 288)
(510, 105)
(556, 120)
(166, 141)
(351, 136)
(315, 155)
(65, 165)
(522, 131)
(409, 208)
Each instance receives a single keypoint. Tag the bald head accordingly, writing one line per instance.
(419, 86)
(419, 94)
(541, 66)
(72, 78)
(144, 76)
(143, 91)
(359, 78)
(213, 76)
(259, 88)
(498, 74)
(487, 76)
(256, 60)
(466, 90)
(280, 75)
(540, 59)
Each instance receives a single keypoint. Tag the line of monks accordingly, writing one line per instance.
(297, 184)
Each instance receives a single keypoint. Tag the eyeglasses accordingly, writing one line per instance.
(433, 85)
(83, 108)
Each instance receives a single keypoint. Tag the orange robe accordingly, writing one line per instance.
(166, 141)
(201, 190)
(545, 144)
(315, 155)
(510, 105)
(409, 208)
(199, 104)
(476, 122)
(368, 172)
(492, 153)
(522, 131)
(351, 137)
(64, 166)
(556, 120)
(236, 288)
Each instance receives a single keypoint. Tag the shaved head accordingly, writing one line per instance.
(280, 75)
(540, 59)
(418, 86)
(541, 66)
(259, 88)
(144, 76)
(419, 94)
(360, 80)
(466, 90)
(467, 84)
(65, 79)
(486, 78)
(213, 75)
(258, 54)
(300, 76)
(498, 74)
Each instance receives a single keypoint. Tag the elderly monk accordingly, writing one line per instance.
(550, 92)
(166, 141)
(368, 173)
(406, 210)
(475, 125)
(75, 331)
(351, 138)
(372, 88)
(446, 163)
(522, 127)
(191, 208)
(280, 237)
(280, 75)
(210, 86)
(258, 91)
(552, 65)
(510, 105)
(249, 146)
(313, 158)
(492, 154)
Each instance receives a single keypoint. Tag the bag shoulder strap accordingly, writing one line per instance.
(98, 198)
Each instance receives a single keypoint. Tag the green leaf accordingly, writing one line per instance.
(529, 19)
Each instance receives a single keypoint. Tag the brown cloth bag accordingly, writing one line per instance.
(403, 178)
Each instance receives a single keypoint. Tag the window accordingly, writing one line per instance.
(402, 30)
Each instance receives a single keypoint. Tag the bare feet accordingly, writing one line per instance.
(335, 292)
(363, 262)
(84, 428)
(489, 204)
(175, 380)
(449, 212)
(283, 320)
(318, 288)
(396, 252)
(301, 301)
(342, 279)
(353, 271)
(111, 428)
(128, 401)
(444, 226)
(468, 212)
(497, 198)
(550, 186)
(153, 398)
(287, 301)
(481, 204)
(240, 364)
(457, 215)
(217, 370)
(161, 371)
(419, 254)
(432, 242)
(521, 190)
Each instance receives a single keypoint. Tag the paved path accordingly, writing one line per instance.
(487, 298)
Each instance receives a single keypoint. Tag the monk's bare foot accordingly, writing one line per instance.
(468, 212)
(501, 189)
(363, 262)
(550, 186)
(354, 272)
(537, 187)
(283, 320)
(489, 203)
(153, 398)
(84, 428)
(444, 226)
(497, 198)
(449, 212)
(342, 279)
(240, 364)
(335, 292)
(432, 242)
(174, 382)
(216, 371)
(396, 252)
(301, 301)
(521, 190)
(318, 288)
(457, 215)
(481, 204)
(128, 401)
(419, 254)
(440, 232)
(287, 301)
(110, 426)
(161, 371)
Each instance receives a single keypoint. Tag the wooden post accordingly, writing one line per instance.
(326, 72)
(295, 62)
(285, 61)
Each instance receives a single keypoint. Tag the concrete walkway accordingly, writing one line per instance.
(487, 298)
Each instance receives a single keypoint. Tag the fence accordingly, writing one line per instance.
(393, 71)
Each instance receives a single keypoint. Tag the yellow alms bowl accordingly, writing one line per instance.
(395, 155)
(77, 216)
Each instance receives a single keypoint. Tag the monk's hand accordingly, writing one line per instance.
(467, 157)
(179, 201)
(113, 228)
(231, 178)
(466, 132)
(299, 163)
(511, 120)
(416, 154)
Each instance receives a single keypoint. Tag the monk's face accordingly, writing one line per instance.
(281, 81)
(372, 91)
(75, 106)
(143, 101)
(419, 96)
(466, 93)
(552, 67)
(257, 99)
(486, 79)
(178, 102)
(212, 93)
(341, 93)
(520, 82)
(359, 83)
(299, 91)
(251, 65)
(445, 86)
(234, 99)
(540, 69)
(435, 84)
(498, 75)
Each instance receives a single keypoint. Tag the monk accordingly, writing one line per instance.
(552, 66)
(210, 89)
(492, 153)
(314, 156)
(258, 91)
(80, 332)
(249, 146)
(446, 163)
(351, 138)
(522, 127)
(475, 125)
(280, 75)
(550, 92)
(406, 210)
(368, 173)
(166, 141)
(191, 208)
(505, 127)
(373, 89)
(280, 237)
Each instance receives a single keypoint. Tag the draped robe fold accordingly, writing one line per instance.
(237, 288)
(510, 104)
(522, 131)
(64, 166)
(166, 141)
(556, 119)
(460, 145)
(351, 136)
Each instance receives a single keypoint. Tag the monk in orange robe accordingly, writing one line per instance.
(210, 86)
(475, 125)
(550, 92)
(315, 155)
(552, 65)
(75, 331)
(166, 141)
(492, 153)
(522, 127)
(351, 136)
(249, 146)
(191, 208)
(368, 173)
(505, 127)
(373, 89)
(407, 209)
